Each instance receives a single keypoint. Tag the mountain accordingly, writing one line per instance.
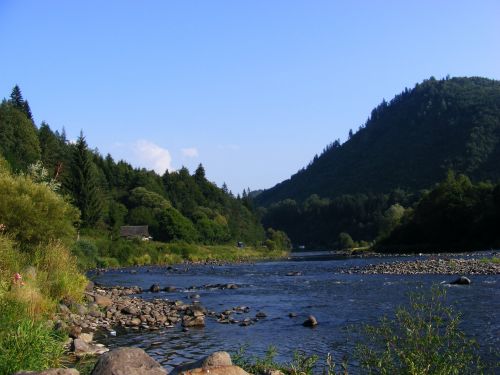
(409, 144)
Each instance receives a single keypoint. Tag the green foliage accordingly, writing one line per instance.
(424, 338)
(455, 215)
(318, 222)
(177, 206)
(277, 240)
(409, 143)
(32, 213)
(18, 137)
(345, 241)
(29, 345)
(301, 364)
(82, 183)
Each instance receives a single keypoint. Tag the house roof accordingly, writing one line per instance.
(134, 231)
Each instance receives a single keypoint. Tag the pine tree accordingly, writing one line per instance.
(16, 98)
(27, 110)
(82, 182)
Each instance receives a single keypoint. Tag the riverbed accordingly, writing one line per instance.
(301, 287)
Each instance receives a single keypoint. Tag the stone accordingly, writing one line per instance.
(102, 301)
(135, 322)
(462, 280)
(155, 288)
(193, 321)
(170, 289)
(310, 321)
(52, 371)
(87, 337)
(63, 309)
(82, 349)
(292, 315)
(74, 331)
(130, 310)
(261, 314)
(214, 360)
(127, 361)
(90, 286)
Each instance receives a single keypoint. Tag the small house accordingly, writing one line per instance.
(135, 231)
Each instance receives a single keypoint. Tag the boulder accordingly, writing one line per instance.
(155, 288)
(52, 371)
(261, 314)
(310, 321)
(127, 361)
(82, 349)
(214, 360)
(102, 301)
(170, 289)
(193, 321)
(462, 280)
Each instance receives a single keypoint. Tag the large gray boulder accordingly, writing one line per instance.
(127, 361)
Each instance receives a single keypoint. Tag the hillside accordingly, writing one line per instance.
(177, 206)
(409, 143)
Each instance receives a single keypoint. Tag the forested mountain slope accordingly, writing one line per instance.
(409, 143)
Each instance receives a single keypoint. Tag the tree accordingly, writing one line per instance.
(345, 241)
(82, 183)
(16, 98)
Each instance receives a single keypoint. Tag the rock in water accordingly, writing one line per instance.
(129, 361)
(155, 288)
(310, 321)
(462, 280)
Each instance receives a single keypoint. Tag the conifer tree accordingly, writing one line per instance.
(16, 98)
(82, 183)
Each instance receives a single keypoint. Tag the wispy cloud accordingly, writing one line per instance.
(152, 156)
(190, 152)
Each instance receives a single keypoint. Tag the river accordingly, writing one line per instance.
(337, 301)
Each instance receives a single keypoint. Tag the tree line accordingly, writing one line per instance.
(177, 206)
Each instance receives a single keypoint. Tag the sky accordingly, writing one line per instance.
(250, 89)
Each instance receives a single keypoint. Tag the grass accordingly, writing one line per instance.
(301, 363)
(495, 260)
(93, 252)
(28, 345)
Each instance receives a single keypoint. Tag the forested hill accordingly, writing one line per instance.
(177, 206)
(409, 143)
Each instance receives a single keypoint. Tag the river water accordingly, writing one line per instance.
(337, 300)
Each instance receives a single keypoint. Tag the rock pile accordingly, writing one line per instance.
(430, 266)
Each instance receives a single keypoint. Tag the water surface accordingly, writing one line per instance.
(336, 300)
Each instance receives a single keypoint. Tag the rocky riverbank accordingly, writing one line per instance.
(437, 266)
(114, 309)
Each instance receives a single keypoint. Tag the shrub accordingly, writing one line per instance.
(32, 213)
(424, 338)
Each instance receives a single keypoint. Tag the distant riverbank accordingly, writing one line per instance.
(432, 265)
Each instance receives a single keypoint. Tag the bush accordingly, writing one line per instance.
(32, 213)
(424, 338)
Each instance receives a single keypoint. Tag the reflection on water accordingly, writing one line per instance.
(336, 300)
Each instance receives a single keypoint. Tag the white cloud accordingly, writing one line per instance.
(152, 156)
(190, 152)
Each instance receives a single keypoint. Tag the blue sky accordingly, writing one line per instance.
(251, 89)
